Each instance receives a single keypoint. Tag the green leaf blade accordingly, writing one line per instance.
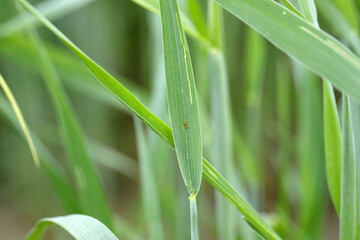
(81, 227)
(183, 106)
(348, 207)
(332, 141)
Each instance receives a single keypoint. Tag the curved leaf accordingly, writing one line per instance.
(81, 227)
(21, 120)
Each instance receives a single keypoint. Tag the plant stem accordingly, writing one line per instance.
(194, 218)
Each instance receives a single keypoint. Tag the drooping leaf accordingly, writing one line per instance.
(81, 227)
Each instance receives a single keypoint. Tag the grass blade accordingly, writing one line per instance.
(92, 197)
(332, 132)
(21, 120)
(318, 51)
(348, 204)
(159, 127)
(80, 227)
(183, 105)
(332, 140)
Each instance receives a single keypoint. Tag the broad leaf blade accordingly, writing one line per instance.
(80, 227)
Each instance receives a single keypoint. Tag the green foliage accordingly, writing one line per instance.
(182, 97)
(80, 227)
(269, 126)
(348, 203)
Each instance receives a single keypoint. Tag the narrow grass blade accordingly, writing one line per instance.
(81, 227)
(348, 203)
(159, 127)
(332, 132)
(21, 120)
(149, 188)
(183, 106)
(332, 139)
(318, 51)
(92, 197)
